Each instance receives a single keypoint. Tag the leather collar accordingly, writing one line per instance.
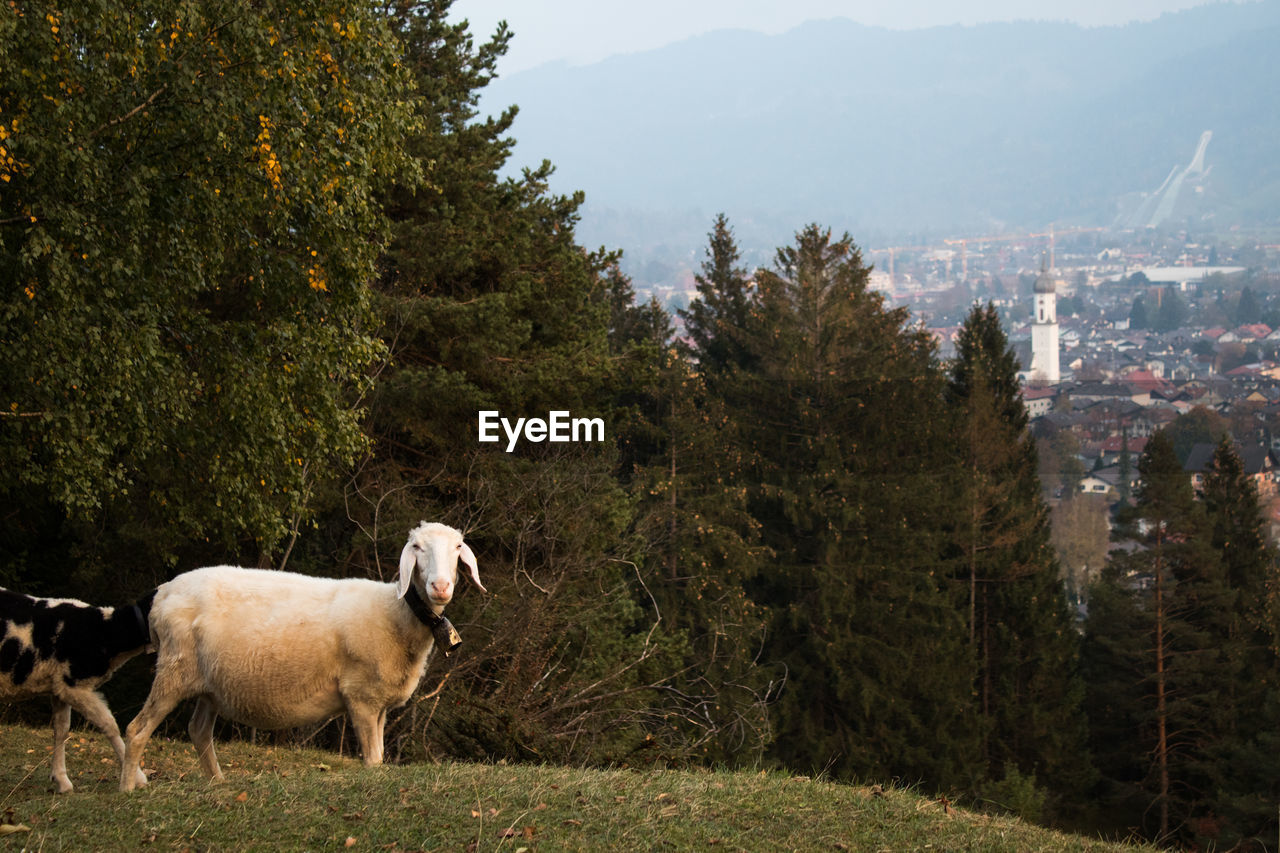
(447, 638)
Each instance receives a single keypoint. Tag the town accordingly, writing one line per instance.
(1119, 333)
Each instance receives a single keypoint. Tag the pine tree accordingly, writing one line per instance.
(1169, 590)
(838, 415)
(488, 303)
(1027, 680)
(1242, 783)
(701, 545)
(715, 321)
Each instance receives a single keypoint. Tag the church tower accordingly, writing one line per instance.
(1044, 331)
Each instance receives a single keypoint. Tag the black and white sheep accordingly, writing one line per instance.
(275, 649)
(66, 649)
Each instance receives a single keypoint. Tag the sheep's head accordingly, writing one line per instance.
(433, 551)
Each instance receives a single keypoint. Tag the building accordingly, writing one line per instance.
(1044, 331)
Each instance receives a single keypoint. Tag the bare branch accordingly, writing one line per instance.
(133, 112)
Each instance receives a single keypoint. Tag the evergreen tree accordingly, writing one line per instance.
(1138, 315)
(1172, 312)
(489, 304)
(1125, 467)
(715, 321)
(1242, 733)
(1027, 680)
(702, 546)
(1156, 667)
(838, 416)
(1247, 309)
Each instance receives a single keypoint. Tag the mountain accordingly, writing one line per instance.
(946, 130)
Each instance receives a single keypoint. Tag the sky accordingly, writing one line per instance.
(585, 31)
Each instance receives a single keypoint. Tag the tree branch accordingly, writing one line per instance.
(133, 112)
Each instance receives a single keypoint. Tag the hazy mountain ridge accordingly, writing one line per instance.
(947, 128)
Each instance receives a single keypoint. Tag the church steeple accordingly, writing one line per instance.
(1044, 328)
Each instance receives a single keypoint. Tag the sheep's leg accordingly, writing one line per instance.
(368, 721)
(201, 730)
(91, 706)
(61, 726)
(167, 690)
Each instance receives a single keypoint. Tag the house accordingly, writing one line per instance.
(1250, 332)
(1259, 465)
(1106, 481)
(1112, 446)
(1039, 401)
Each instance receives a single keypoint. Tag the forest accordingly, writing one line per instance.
(261, 275)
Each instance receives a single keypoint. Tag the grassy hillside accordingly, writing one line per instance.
(293, 799)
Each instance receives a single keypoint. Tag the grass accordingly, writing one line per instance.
(277, 798)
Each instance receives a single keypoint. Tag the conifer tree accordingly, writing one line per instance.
(701, 546)
(489, 304)
(837, 409)
(1027, 680)
(716, 320)
(1242, 729)
(1157, 668)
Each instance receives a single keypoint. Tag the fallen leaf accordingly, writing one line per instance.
(11, 828)
(350, 842)
(663, 796)
(242, 796)
(540, 806)
(573, 821)
(509, 832)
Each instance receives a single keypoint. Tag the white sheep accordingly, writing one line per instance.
(65, 649)
(276, 649)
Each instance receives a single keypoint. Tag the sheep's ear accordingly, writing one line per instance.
(469, 558)
(408, 561)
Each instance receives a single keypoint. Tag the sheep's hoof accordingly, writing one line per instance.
(139, 780)
(64, 785)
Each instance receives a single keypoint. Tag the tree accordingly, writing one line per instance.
(837, 413)
(1079, 535)
(1172, 311)
(703, 545)
(1152, 664)
(714, 322)
(188, 228)
(1247, 309)
(1027, 679)
(1138, 315)
(1240, 729)
(489, 303)
(1198, 426)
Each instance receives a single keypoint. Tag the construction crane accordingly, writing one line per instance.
(892, 251)
(1052, 233)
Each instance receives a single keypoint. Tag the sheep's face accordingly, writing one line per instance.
(432, 554)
